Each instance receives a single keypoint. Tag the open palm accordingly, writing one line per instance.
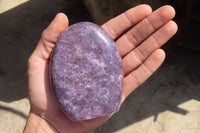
(138, 47)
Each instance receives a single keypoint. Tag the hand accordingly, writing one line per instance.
(138, 47)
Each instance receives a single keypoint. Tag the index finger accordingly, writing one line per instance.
(116, 26)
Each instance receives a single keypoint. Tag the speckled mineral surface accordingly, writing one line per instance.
(86, 72)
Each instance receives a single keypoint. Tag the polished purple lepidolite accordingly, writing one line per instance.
(86, 72)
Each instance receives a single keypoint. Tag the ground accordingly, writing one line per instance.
(169, 102)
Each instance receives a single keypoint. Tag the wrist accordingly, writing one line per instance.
(36, 124)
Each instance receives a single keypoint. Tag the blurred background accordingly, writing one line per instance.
(168, 102)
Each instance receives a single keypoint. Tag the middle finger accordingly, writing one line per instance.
(144, 29)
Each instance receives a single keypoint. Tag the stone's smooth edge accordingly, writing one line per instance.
(113, 46)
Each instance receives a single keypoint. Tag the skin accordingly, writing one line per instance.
(141, 55)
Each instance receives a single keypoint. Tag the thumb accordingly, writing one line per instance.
(48, 39)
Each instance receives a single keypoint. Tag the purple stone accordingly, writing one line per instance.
(86, 72)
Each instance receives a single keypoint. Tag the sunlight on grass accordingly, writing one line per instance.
(6, 5)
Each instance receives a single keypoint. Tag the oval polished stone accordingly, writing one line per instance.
(86, 72)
